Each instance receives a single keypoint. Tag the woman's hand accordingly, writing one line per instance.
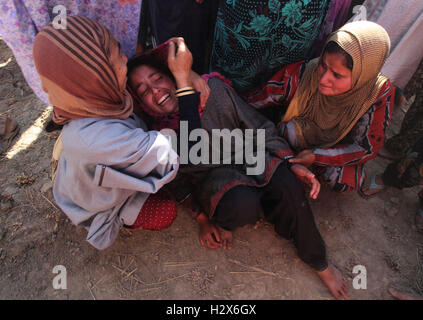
(200, 85)
(305, 158)
(209, 234)
(308, 177)
(180, 62)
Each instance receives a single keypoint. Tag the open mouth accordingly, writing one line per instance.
(163, 99)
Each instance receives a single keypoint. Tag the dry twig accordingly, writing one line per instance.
(51, 203)
(92, 294)
(183, 264)
(256, 269)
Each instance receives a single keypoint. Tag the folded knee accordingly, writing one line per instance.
(238, 207)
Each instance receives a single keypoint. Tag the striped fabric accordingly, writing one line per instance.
(342, 165)
(82, 70)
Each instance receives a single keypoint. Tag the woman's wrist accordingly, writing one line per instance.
(183, 81)
(202, 218)
(286, 159)
(184, 91)
(183, 84)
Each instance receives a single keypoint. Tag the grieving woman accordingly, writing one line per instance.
(110, 168)
(227, 197)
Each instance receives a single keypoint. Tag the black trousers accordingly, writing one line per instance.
(285, 205)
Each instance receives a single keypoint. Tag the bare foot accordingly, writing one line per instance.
(369, 189)
(336, 283)
(403, 294)
(225, 238)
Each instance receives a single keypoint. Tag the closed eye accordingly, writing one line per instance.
(143, 93)
(157, 78)
(141, 90)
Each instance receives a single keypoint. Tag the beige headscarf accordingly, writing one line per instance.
(322, 121)
(81, 70)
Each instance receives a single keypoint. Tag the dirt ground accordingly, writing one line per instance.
(35, 236)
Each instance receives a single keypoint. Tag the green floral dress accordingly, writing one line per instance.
(254, 38)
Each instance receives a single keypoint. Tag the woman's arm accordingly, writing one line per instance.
(368, 134)
(113, 165)
(180, 62)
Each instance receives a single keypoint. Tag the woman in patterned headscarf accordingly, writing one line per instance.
(339, 105)
(109, 165)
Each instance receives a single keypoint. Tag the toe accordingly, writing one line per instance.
(338, 295)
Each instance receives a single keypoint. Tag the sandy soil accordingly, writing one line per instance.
(35, 236)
